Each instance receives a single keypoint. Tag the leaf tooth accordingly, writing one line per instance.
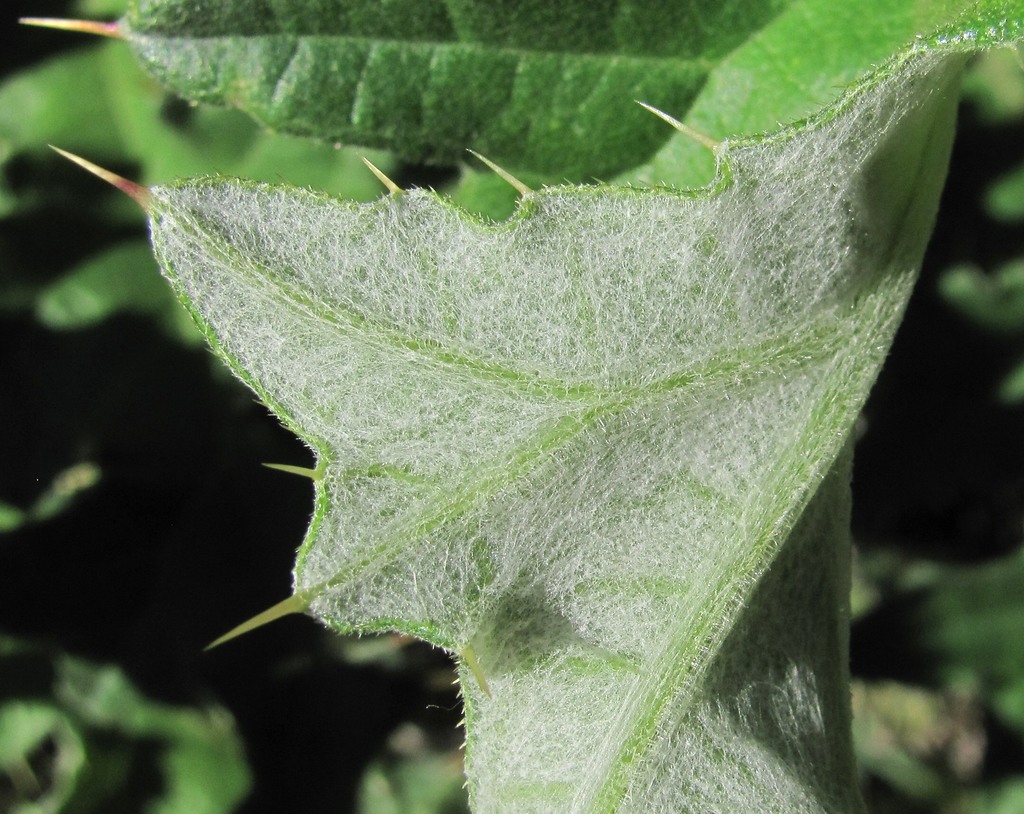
(685, 129)
(296, 603)
(505, 175)
(391, 186)
(136, 191)
(80, 26)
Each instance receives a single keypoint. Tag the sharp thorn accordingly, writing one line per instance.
(468, 655)
(296, 603)
(303, 471)
(80, 26)
(685, 129)
(503, 174)
(391, 186)
(136, 191)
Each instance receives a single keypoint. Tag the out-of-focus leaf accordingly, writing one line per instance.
(11, 517)
(94, 9)
(1004, 798)
(41, 755)
(1004, 200)
(419, 783)
(65, 487)
(61, 101)
(994, 301)
(959, 632)
(60, 494)
(995, 85)
(79, 736)
(96, 102)
(1011, 388)
(124, 278)
(924, 744)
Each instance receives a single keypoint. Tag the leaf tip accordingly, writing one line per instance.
(505, 175)
(685, 129)
(135, 191)
(390, 185)
(79, 26)
(296, 603)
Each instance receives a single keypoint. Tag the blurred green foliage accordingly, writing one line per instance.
(994, 299)
(78, 737)
(130, 491)
(939, 587)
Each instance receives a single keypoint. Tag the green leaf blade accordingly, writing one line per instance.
(534, 85)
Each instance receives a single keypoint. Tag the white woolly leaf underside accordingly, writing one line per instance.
(576, 441)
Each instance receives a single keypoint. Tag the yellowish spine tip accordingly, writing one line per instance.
(685, 129)
(468, 655)
(391, 186)
(505, 175)
(296, 603)
(136, 191)
(303, 471)
(79, 26)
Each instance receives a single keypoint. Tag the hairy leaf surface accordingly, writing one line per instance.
(597, 449)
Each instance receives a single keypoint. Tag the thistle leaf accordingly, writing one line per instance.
(599, 448)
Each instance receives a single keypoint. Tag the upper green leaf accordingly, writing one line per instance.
(542, 85)
(539, 86)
